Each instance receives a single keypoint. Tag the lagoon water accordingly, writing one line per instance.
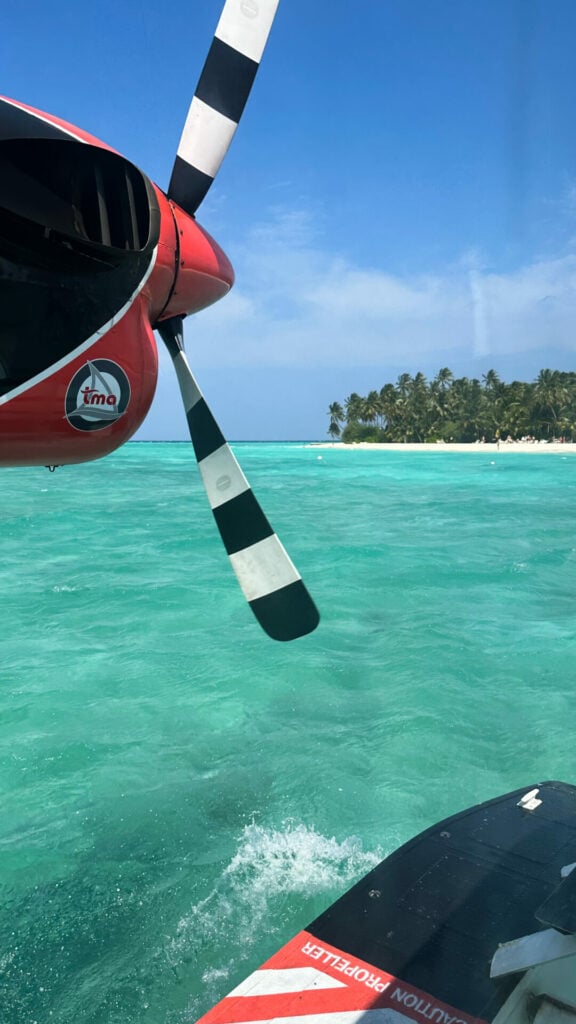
(180, 794)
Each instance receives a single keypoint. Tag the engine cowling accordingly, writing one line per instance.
(92, 255)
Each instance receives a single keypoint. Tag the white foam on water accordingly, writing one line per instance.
(269, 865)
(214, 974)
(294, 859)
(6, 960)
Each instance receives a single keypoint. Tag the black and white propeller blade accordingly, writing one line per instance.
(269, 580)
(220, 98)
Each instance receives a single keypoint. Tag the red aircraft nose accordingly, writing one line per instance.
(202, 273)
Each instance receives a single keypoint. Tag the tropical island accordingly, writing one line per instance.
(459, 410)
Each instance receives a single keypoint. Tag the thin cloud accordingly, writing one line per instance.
(297, 304)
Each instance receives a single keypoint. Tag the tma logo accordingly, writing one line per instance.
(97, 395)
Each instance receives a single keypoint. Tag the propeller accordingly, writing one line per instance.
(220, 98)
(269, 580)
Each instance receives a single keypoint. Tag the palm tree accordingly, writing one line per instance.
(517, 404)
(403, 384)
(460, 409)
(354, 407)
(389, 405)
(492, 382)
(372, 412)
(464, 411)
(418, 408)
(492, 404)
(439, 389)
(336, 414)
(443, 379)
(551, 396)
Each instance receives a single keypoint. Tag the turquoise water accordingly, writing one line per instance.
(179, 794)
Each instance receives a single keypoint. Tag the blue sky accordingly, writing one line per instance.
(400, 195)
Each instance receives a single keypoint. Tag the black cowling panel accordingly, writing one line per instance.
(16, 123)
(434, 912)
(78, 229)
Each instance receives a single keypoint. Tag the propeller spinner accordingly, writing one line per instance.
(93, 258)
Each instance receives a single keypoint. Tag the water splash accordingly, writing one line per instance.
(271, 868)
(294, 859)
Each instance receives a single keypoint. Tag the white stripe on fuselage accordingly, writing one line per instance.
(54, 367)
(44, 119)
(386, 1015)
(269, 982)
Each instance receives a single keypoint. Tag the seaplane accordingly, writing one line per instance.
(475, 919)
(94, 259)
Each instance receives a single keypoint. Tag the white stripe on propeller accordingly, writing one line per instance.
(245, 26)
(206, 138)
(220, 97)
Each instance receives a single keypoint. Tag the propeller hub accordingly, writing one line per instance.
(203, 272)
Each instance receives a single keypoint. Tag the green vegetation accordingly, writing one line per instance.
(459, 409)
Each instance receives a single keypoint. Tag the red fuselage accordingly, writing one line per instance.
(92, 257)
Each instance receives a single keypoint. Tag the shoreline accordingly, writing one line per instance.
(504, 447)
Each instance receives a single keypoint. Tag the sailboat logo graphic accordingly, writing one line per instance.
(97, 395)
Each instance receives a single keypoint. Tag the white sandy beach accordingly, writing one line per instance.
(504, 447)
